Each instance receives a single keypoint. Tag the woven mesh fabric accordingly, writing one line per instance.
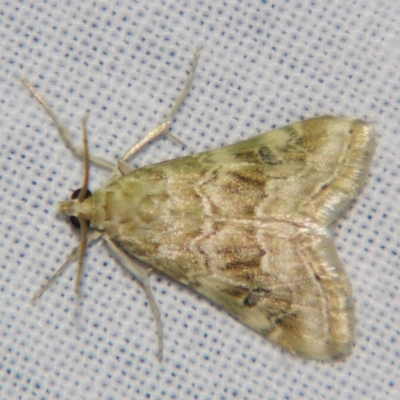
(263, 64)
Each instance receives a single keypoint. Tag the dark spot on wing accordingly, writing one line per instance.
(255, 296)
(268, 157)
(252, 263)
(250, 156)
(250, 180)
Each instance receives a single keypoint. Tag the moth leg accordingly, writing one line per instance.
(163, 126)
(123, 168)
(141, 274)
(63, 129)
(72, 257)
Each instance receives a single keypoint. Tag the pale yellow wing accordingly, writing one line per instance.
(307, 171)
(245, 225)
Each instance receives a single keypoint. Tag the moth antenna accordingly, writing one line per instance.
(86, 158)
(82, 196)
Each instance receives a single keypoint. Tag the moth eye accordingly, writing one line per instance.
(75, 194)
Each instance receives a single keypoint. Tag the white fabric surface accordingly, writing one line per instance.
(263, 64)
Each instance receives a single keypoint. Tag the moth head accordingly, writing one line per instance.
(73, 207)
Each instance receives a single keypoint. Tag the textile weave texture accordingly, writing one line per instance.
(263, 64)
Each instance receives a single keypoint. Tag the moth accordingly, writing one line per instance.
(246, 225)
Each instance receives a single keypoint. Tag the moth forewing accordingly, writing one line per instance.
(247, 226)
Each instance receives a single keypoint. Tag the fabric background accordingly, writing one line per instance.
(263, 64)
